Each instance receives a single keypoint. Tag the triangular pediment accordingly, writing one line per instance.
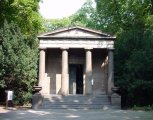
(75, 32)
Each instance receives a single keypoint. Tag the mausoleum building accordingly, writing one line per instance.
(76, 61)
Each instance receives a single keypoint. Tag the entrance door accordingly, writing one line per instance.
(75, 79)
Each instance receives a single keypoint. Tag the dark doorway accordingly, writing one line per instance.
(75, 79)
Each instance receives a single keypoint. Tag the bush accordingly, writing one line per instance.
(19, 62)
(144, 108)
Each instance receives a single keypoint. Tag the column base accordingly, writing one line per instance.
(37, 100)
(116, 101)
(88, 91)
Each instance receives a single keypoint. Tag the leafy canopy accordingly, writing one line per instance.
(132, 22)
(20, 23)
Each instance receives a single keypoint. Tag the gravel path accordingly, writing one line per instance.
(77, 114)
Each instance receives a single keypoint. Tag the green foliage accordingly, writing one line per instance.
(134, 64)
(19, 46)
(132, 22)
(144, 108)
(53, 24)
(86, 16)
(119, 15)
(24, 13)
(18, 62)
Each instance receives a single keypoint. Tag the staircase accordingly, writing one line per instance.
(75, 102)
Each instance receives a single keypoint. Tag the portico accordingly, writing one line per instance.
(76, 60)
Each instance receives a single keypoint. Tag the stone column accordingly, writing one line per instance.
(65, 78)
(42, 56)
(88, 72)
(110, 70)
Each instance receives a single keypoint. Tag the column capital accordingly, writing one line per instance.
(42, 48)
(111, 49)
(64, 48)
(88, 48)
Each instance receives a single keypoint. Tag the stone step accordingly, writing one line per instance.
(75, 101)
(59, 97)
(71, 103)
(59, 103)
(76, 107)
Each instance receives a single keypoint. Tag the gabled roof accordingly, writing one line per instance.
(76, 32)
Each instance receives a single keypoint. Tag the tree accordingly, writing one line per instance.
(22, 12)
(18, 63)
(133, 68)
(132, 22)
(118, 15)
(53, 24)
(86, 16)
(19, 46)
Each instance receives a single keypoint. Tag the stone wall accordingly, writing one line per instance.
(53, 69)
(99, 75)
(76, 56)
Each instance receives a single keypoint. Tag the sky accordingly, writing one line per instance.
(56, 9)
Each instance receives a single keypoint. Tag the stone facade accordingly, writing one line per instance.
(76, 60)
(76, 46)
(76, 56)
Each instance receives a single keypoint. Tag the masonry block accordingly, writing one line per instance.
(37, 100)
(116, 100)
